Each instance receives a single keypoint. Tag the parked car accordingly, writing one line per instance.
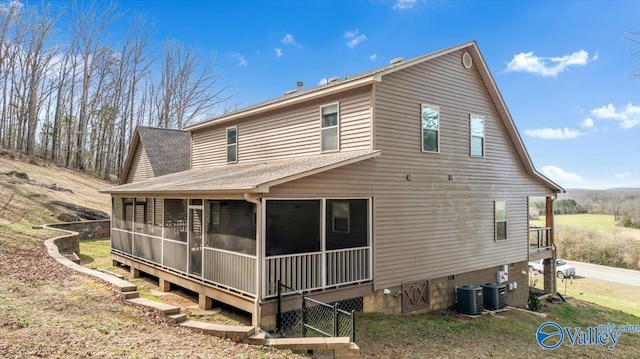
(562, 268)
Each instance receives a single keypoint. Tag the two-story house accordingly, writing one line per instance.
(389, 188)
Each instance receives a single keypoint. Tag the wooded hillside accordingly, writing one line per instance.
(73, 85)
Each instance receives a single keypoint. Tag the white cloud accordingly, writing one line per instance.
(354, 39)
(587, 123)
(289, 40)
(373, 57)
(557, 174)
(629, 115)
(623, 175)
(242, 62)
(279, 52)
(552, 133)
(404, 4)
(547, 66)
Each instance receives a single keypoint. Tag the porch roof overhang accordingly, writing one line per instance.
(251, 177)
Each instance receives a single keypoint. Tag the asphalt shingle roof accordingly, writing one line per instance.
(242, 177)
(167, 150)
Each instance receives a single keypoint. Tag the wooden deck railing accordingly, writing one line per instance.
(539, 237)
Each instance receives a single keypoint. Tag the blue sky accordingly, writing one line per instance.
(563, 67)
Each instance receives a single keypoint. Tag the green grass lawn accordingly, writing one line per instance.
(94, 253)
(603, 222)
(503, 335)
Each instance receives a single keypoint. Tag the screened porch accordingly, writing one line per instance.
(308, 244)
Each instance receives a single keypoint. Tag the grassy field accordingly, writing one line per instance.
(603, 222)
(607, 294)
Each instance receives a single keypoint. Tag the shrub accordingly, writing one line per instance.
(533, 302)
(598, 247)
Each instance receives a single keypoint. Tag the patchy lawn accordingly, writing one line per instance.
(508, 334)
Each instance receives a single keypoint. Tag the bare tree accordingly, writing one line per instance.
(79, 100)
(187, 88)
(38, 24)
(634, 37)
(89, 22)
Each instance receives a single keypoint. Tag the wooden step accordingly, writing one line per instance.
(177, 318)
(163, 308)
(257, 339)
(234, 332)
(130, 295)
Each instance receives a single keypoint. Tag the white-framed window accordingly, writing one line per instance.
(476, 131)
(501, 220)
(330, 128)
(430, 120)
(232, 144)
(341, 217)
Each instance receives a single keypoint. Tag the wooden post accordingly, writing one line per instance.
(164, 285)
(204, 302)
(550, 285)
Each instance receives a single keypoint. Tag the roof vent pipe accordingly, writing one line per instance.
(300, 85)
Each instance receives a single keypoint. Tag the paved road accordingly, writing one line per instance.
(610, 274)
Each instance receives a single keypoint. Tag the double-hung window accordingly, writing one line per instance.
(476, 128)
(329, 138)
(501, 220)
(232, 145)
(430, 128)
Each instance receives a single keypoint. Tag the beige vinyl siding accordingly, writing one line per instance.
(140, 166)
(431, 226)
(295, 132)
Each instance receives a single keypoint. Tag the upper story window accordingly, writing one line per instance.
(501, 220)
(330, 124)
(476, 127)
(232, 145)
(430, 128)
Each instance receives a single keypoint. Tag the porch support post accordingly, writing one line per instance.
(550, 263)
(204, 302)
(164, 285)
(255, 318)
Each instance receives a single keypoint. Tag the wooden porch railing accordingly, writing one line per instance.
(539, 237)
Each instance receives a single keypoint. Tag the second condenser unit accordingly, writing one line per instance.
(495, 296)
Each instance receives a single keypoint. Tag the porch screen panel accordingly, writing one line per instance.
(292, 227)
(175, 219)
(118, 213)
(156, 210)
(231, 226)
(128, 214)
(347, 223)
(140, 225)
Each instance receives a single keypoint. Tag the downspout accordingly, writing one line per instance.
(255, 320)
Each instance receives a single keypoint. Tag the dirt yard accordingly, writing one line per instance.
(47, 310)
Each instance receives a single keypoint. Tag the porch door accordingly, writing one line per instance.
(195, 240)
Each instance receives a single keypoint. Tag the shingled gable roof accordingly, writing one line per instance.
(242, 177)
(377, 75)
(168, 150)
